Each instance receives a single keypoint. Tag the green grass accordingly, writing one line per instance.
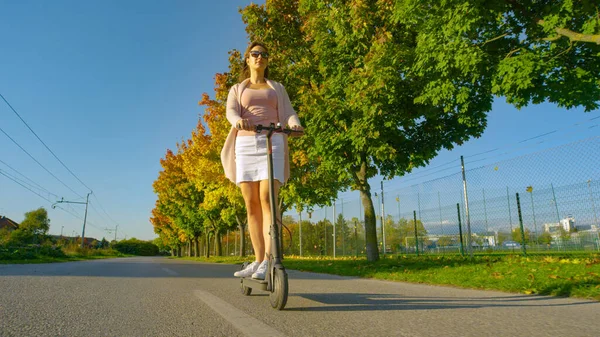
(569, 275)
(69, 254)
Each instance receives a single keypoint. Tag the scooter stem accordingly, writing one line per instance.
(274, 230)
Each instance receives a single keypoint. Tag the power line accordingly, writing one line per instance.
(55, 177)
(33, 182)
(35, 134)
(22, 184)
(116, 223)
(34, 192)
(55, 156)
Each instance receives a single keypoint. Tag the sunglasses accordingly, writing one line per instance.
(256, 53)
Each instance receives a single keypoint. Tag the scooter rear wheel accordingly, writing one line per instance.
(278, 297)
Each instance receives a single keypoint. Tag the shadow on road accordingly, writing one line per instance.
(377, 302)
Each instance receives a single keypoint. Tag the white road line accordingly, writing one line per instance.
(170, 272)
(245, 323)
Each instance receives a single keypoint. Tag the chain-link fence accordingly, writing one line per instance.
(559, 194)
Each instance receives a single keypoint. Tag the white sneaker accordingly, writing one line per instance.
(251, 268)
(261, 270)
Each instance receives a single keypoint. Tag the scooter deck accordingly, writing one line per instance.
(254, 283)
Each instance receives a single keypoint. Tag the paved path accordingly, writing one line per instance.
(154, 296)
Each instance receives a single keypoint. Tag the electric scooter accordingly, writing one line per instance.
(276, 279)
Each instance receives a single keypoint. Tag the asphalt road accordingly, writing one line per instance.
(153, 296)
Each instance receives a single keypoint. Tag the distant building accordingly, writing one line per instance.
(568, 223)
(552, 228)
(8, 223)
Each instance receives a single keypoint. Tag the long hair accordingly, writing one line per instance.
(245, 70)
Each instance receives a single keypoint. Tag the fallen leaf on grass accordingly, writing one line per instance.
(497, 275)
(553, 276)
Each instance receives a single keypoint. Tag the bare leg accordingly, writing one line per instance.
(250, 192)
(266, 213)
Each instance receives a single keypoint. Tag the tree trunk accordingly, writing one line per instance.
(207, 245)
(370, 220)
(242, 227)
(218, 247)
(179, 250)
(189, 248)
(196, 246)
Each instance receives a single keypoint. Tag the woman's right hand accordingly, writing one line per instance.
(244, 124)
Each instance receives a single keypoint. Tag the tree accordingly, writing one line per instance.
(387, 84)
(224, 202)
(516, 235)
(277, 24)
(545, 238)
(445, 241)
(406, 232)
(36, 222)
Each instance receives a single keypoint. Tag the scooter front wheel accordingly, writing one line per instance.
(279, 294)
(246, 291)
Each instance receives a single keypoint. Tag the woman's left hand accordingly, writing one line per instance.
(299, 129)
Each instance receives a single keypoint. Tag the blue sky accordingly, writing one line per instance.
(110, 85)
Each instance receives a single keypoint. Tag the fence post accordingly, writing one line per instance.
(509, 212)
(300, 226)
(462, 249)
(416, 235)
(441, 221)
(469, 245)
(521, 224)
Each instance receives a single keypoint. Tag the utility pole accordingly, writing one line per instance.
(334, 242)
(383, 217)
(87, 200)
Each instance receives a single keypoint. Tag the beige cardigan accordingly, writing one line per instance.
(286, 114)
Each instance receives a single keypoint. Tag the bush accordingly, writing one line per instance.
(51, 251)
(136, 247)
(30, 252)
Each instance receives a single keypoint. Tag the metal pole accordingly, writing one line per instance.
(462, 248)
(555, 203)
(533, 210)
(383, 218)
(521, 224)
(485, 212)
(509, 212)
(398, 201)
(334, 242)
(416, 235)
(356, 237)
(593, 202)
(470, 247)
(325, 225)
(440, 207)
(87, 200)
(300, 225)
(419, 203)
(116, 228)
(343, 231)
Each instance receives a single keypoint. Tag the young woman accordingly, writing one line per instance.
(257, 100)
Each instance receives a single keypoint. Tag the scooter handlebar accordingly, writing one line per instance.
(277, 128)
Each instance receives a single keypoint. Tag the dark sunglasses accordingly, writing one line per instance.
(255, 54)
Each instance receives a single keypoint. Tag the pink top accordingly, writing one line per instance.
(259, 106)
(286, 116)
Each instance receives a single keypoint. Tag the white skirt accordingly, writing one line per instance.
(251, 158)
